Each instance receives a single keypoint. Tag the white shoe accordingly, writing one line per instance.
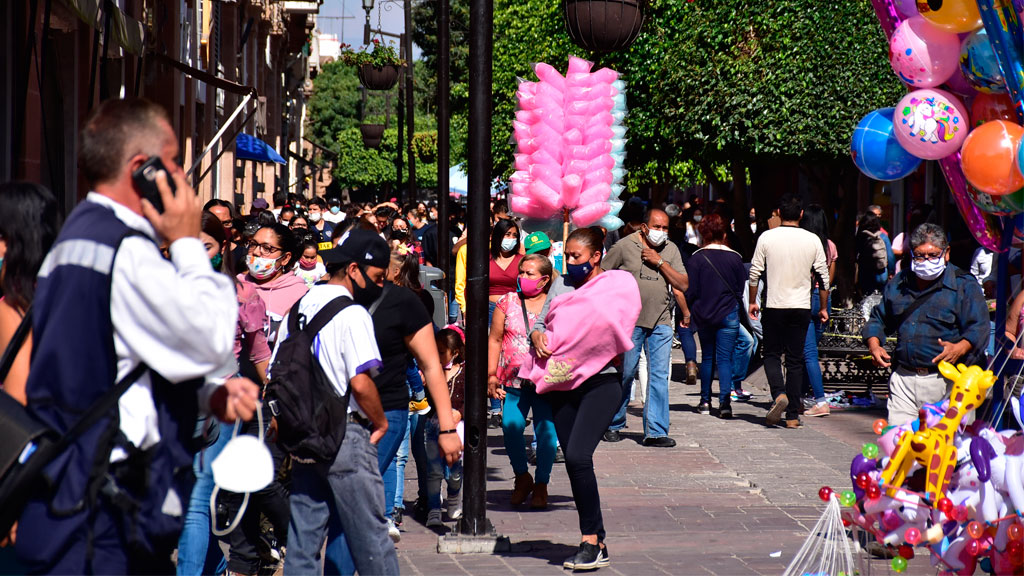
(455, 507)
(393, 532)
(434, 518)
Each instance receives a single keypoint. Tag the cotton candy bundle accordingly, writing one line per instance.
(571, 145)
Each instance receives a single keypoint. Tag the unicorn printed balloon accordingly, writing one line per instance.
(931, 124)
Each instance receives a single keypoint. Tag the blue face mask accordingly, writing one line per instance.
(335, 209)
(577, 273)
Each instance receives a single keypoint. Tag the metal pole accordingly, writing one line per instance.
(410, 104)
(217, 136)
(401, 131)
(481, 27)
(443, 120)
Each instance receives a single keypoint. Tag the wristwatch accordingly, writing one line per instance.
(660, 262)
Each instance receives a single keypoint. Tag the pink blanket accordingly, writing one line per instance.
(587, 328)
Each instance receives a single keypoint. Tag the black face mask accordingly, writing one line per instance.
(367, 295)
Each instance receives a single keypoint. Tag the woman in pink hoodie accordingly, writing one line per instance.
(271, 253)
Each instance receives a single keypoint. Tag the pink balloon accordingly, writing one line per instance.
(931, 124)
(587, 215)
(548, 74)
(906, 8)
(542, 195)
(571, 186)
(578, 65)
(959, 84)
(985, 228)
(594, 194)
(923, 55)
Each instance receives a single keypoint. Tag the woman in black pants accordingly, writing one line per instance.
(583, 413)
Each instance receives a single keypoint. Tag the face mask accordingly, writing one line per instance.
(285, 222)
(698, 218)
(508, 244)
(261, 268)
(335, 209)
(368, 294)
(577, 273)
(657, 237)
(928, 270)
(530, 287)
(307, 265)
(314, 216)
(243, 466)
(216, 262)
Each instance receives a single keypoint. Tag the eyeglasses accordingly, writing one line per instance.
(919, 258)
(264, 248)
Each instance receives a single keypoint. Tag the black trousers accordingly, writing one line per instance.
(785, 330)
(581, 418)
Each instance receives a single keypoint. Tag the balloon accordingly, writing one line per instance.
(889, 16)
(923, 55)
(906, 551)
(975, 530)
(875, 150)
(989, 157)
(825, 493)
(878, 427)
(930, 124)
(951, 15)
(979, 64)
(1015, 548)
(985, 228)
(863, 480)
(973, 547)
(899, 564)
(912, 536)
(847, 498)
(958, 84)
(870, 450)
(988, 107)
(1003, 26)
(944, 505)
(873, 492)
(1015, 531)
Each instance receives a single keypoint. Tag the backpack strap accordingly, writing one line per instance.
(326, 314)
(376, 303)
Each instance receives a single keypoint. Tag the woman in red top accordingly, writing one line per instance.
(504, 263)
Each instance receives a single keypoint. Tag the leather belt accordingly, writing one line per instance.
(927, 371)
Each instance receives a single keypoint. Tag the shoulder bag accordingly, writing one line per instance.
(743, 314)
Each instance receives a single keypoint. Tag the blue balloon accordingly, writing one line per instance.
(875, 150)
(979, 64)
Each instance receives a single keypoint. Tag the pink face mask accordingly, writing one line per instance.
(530, 287)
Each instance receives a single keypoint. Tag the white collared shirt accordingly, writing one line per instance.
(177, 316)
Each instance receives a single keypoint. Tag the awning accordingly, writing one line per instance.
(252, 148)
(126, 32)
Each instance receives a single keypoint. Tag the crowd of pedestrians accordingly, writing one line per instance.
(194, 313)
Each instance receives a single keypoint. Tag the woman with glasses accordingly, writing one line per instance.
(271, 253)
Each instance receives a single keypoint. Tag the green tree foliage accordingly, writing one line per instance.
(424, 14)
(360, 167)
(335, 104)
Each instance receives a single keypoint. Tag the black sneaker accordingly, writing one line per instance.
(660, 442)
(704, 407)
(588, 557)
(559, 455)
(612, 436)
(494, 420)
(397, 516)
(725, 411)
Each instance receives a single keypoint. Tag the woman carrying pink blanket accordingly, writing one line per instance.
(576, 365)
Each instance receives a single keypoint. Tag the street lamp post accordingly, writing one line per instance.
(443, 119)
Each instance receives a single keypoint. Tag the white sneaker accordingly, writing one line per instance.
(393, 532)
(434, 518)
(455, 507)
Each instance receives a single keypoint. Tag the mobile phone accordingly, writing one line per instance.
(145, 179)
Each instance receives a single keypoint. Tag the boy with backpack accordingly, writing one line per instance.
(328, 411)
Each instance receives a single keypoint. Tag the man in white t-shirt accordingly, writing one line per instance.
(348, 492)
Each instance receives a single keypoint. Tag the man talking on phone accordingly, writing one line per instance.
(110, 309)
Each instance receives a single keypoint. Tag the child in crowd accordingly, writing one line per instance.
(309, 266)
(452, 351)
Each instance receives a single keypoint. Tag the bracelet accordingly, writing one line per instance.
(452, 431)
(660, 263)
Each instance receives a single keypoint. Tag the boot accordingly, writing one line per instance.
(522, 489)
(691, 373)
(540, 496)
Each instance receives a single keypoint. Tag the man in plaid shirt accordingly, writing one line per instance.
(938, 313)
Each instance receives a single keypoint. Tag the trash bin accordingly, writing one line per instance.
(430, 278)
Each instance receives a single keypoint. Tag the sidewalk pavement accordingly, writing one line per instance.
(728, 496)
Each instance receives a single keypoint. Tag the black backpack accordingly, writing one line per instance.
(311, 417)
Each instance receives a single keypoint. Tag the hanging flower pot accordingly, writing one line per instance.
(603, 25)
(378, 77)
(372, 134)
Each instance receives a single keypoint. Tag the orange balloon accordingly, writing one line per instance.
(989, 157)
(988, 107)
(951, 15)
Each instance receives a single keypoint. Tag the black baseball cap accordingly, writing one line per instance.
(363, 247)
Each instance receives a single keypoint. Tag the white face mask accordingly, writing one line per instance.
(929, 269)
(243, 466)
(698, 218)
(261, 268)
(285, 222)
(314, 216)
(657, 237)
(508, 244)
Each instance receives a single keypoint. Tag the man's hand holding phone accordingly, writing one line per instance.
(182, 210)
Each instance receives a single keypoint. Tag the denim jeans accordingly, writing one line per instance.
(718, 343)
(812, 367)
(657, 342)
(689, 345)
(495, 404)
(436, 467)
(401, 458)
(198, 550)
(345, 497)
(746, 346)
(518, 402)
(338, 552)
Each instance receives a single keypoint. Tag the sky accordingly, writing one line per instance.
(345, 19)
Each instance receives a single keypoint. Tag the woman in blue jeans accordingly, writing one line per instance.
(816, 221)
(717, 278)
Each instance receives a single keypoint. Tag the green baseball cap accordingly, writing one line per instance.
(536, 242)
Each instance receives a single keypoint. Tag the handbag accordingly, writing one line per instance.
(744, 317)
(27, 446)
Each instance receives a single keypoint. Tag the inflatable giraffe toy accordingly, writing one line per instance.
(933, 447)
